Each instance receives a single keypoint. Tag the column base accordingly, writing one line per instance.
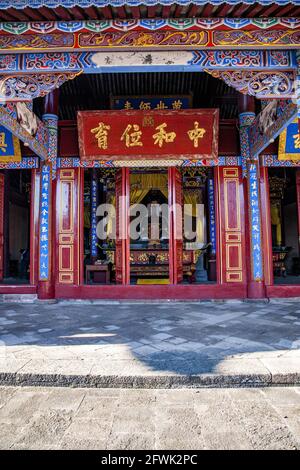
(212, 268)
(45, 291)
(256, 290)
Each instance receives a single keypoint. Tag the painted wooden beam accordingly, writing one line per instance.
(33, 15)
(261, 84)
(19, 15)
(48, 13)
(143, 34)
(15, 88)
(96, 62)
(63, 13)
(135, 12)
(106, 11)
(92, 12)
(25, 125)
(69, 25)
(261, 134)
(265, 74)
(21, 4)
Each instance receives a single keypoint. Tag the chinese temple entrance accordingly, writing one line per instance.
(284, 192)
(146, 224)
(15, 193)
(149, 226)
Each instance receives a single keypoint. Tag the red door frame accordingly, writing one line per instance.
(171, 226)
(266, 226)
(34, 225)
(276, 290)
(125, 291)
(175, 225)
(122, 253)
(218, 225)
(175, 220)
(123, 220)
(80, 191)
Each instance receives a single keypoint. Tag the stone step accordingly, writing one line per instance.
(28, 298)
(151, 381)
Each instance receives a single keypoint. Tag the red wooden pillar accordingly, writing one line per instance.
(175, 199)
(46, 236)
(1, 224)
(266, 226)
(46, 256)
(122, 252)
(255, 285)
(34, 225)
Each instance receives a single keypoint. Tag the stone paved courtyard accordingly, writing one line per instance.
(151, 341)
(64, 418)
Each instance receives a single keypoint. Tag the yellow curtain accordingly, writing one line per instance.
(86, 217)
(141, 184)
(111, 199)
(164, 191)
(137, 195)
(192, 197)
(276, 220)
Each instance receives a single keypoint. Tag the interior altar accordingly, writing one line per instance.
(154, 262)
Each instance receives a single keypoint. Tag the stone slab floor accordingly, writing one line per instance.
(150, 339)
(65, 418)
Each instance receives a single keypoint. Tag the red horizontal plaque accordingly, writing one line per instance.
(119, 135)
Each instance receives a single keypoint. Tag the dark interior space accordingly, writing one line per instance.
(284, 225)
(96, 91)
(16, 227)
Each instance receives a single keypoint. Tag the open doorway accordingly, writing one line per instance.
(198, 226)
(15, 187)
(149, 226)
(99, 226)
(283, 188)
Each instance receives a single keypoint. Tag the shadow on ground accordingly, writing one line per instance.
(180, 338)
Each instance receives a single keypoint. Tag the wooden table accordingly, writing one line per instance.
(96, 268)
